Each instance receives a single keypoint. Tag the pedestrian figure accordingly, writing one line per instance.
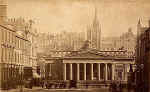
(120, 87)
(110, 87)
(113, 87)
(42, 83)
(129, 87)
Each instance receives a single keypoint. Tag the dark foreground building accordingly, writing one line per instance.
(143, 59)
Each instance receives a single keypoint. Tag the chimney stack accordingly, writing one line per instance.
(3, 11)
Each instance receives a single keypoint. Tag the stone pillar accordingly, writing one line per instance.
(92, 71)
(126, 72)
(113, 71)
(106, 75)
(64, 71)
(84, 71)
(99, 72)
(50, 69)
(70, 71)
(78, 71)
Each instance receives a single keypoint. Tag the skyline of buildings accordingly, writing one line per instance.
(20, 44)
(77, 15)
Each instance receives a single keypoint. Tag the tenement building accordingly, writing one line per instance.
(16, 50)
(60, 41)
(14, 56)
(126, 41)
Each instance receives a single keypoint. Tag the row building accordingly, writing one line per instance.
(17, 50)
(126, 41)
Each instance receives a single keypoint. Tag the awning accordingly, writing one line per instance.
(35, 75)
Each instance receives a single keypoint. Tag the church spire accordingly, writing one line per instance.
(139, 28)
(95, 13)
(139, 22)
(95, 22)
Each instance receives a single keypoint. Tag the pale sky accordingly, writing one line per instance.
(115, 16)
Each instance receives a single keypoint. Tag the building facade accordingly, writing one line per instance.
(143, 60)
(15, 49)
(60, 41)
(89, 66)
(127, 41)
(14, 56)
(3, 10)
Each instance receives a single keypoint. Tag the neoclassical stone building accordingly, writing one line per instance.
(90, 65)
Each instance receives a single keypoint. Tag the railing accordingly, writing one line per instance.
(82, 84)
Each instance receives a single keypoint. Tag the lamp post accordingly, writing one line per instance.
(138, 77)
(130, 78)
(21, 78)
(141, 79)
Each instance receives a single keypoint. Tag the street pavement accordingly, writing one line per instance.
(39, 89)
(68, 90)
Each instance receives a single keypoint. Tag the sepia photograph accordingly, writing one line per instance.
(74, 45)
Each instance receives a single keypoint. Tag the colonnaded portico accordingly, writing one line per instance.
(90, 70)
(87, 71)
(89, 66)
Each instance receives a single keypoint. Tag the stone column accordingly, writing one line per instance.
(92, 71)
(64, 71)
(126, 72)
(106, 75)
(84, 71)
(70, 71)
(113, 71)
(50, 69)
(78, 71)
(123, 72)
(99, 72)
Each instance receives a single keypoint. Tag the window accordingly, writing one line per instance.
(2, 54)
(2, 35)
(8, 34)
(13, 38)
(18, 43)
(8, 55)
(5, 59)
(8, 37)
